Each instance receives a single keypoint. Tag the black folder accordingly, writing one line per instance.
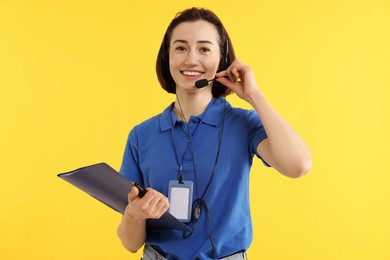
(109, 187)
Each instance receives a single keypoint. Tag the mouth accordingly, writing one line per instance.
(191, 73)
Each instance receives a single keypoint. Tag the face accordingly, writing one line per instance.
(194, 54)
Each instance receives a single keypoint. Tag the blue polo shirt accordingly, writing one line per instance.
(150, 159)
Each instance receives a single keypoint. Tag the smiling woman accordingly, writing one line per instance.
(205, 146)
(222, 39)
(193, 57)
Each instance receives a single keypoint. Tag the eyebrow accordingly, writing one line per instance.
(184, 41)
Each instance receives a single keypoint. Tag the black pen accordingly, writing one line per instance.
(141, 189)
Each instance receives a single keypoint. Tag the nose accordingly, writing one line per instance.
(191, 58)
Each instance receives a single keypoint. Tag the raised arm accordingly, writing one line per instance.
(284, 149)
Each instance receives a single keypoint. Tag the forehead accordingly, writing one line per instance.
(195, 31)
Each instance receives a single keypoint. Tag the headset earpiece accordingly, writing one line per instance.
(226, 51)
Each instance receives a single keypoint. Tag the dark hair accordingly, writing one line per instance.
(227, 52)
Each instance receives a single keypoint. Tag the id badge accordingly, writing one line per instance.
(180, 199)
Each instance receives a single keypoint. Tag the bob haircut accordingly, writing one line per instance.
(227, 52)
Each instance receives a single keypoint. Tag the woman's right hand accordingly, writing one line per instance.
(132, 229)
(152, 205)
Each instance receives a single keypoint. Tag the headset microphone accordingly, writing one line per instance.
(203, 82)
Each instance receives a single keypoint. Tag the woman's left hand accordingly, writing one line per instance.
(239, 78)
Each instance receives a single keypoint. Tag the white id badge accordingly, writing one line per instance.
(180, 199)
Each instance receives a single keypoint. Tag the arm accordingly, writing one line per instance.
(284, 149)
(132, 229)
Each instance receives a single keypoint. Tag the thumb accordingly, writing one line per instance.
(133, 194)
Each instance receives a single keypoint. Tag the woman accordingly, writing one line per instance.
(202, 141)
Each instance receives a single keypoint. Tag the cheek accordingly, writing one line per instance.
(212, 63)
(174, 61)
(214, 60)
(172, 64)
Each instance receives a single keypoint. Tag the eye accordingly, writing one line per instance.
(204, 49)
(180, 48)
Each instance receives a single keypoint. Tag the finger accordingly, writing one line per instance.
(232, 71)
(149, 195)
(224, 74)
(230, 75)
(150, 199)
(133, 194)
(133, 207)
(235, 73)
(161, 207)
(221, 74)
(155, 200)
(226, 82)
(159, 201)
(153, 207)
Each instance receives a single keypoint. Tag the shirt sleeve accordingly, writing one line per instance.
(130, 168)
(257, 133)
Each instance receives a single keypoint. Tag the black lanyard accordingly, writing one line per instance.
(200, 202)
(190, 137)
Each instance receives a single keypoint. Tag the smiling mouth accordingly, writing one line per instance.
(192, 73)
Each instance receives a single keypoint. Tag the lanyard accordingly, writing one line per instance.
(189, 139)
(200, 203)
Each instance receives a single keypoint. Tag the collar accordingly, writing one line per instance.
(213, 117)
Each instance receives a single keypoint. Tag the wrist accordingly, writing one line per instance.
(132, 218)
(256, 98)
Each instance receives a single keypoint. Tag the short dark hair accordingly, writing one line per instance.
(227, 52)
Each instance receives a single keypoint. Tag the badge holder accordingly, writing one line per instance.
(180, 199)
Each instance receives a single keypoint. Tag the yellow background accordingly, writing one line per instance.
(76, 76)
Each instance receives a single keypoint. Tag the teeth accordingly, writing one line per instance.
(192, 73)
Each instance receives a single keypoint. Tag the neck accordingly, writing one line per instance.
(190, 105)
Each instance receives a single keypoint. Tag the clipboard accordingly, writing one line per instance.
(109, 187)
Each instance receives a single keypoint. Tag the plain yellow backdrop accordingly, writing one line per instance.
(76, 76)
